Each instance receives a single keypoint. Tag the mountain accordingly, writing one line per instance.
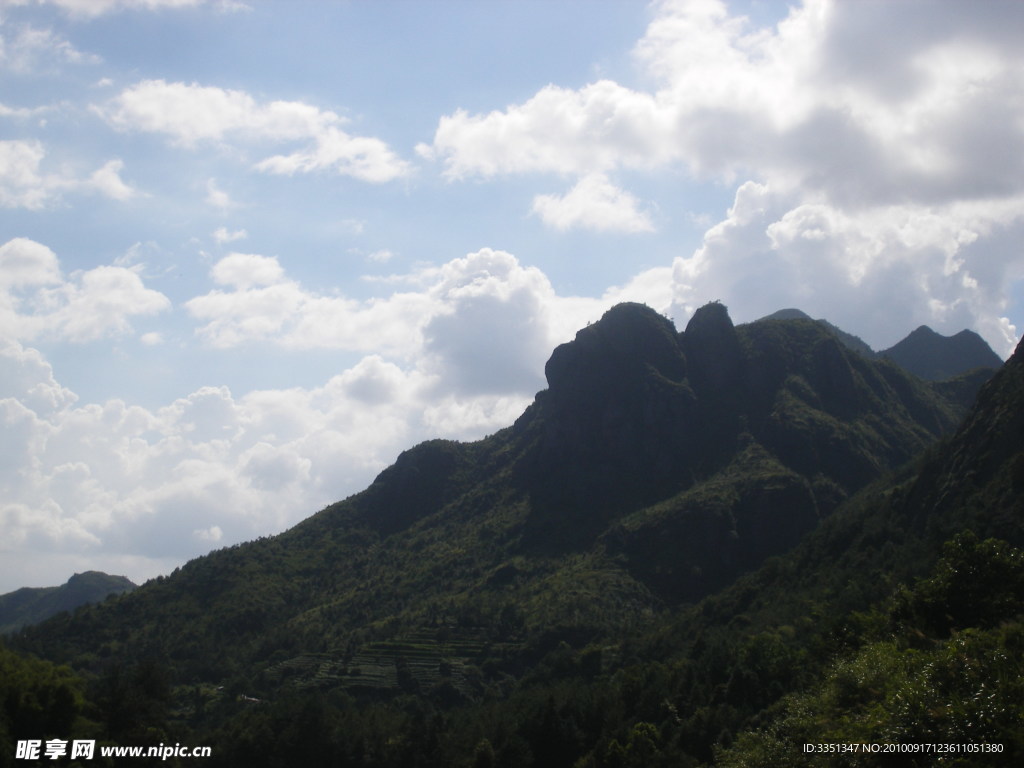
(683, 532)
(928, 647)
(855, 343)
(924, 353)
(929, 355)
(31, 605)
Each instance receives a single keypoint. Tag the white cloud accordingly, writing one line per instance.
(107, 180)
(480, 324)
(217, 197)
(24, 184)
(929, 110)
(193, 113)
(368, 159)
(28, 49)
(888, 153)
(27, 263)
(594, 203)
(909, 264)
(243, 270)
(100, 302)
(223, 235)
(26, 376)
(210, 535)
(22, 113)
(381, 256)
(264, 305)
(36, 301)
(190, 114)
(156, 486)
(597, 128)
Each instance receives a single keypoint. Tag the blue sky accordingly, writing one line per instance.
(250, 251)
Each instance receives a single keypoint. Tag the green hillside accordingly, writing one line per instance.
(605, 582)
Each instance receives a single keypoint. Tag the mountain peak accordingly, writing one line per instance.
(713, 315)
(790, 313)
(713, 348)
(619, 346)
(930, 355)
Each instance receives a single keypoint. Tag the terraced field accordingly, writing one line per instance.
(421, 660)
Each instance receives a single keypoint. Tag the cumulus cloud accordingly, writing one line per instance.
(909, 264)
(107, 180)
(911, 111)
(243, 270)
(24, 49)
(27, 377)
(152, 486)
(487, 289)
(457, 353)
(190, 114)
(223, 235)
(481, 316)
(600, 127)
(381, 256)
(217, 197)
(24, 183)
(21, 113)
(594, 203)
(361, 157)
(886, 154)
(37, 301)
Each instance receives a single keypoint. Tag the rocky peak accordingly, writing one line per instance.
(713, 348)
(616, 416)
(629, 342)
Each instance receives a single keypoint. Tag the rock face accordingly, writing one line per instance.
(639, 415)
(711, 343)
(618, 417)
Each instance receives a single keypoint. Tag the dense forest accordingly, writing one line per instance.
(713, 546)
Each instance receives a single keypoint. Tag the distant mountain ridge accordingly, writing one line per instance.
(932, 356)
(924, 353)
(30, 605)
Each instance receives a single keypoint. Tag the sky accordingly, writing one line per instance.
(251, 251)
